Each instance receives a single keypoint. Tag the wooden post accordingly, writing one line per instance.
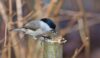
(52, 50)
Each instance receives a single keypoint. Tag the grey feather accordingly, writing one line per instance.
(34, 25)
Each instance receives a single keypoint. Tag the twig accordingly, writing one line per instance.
(20, 24)
(3, 13)
(12, 35)
(5, 19)
(84, 32)
(51, 5)
(78, 51)
(9, 27)
(39, 9)
(84, 38)
(58, 7)
(76, 13)
(31, 47)
(19, 13)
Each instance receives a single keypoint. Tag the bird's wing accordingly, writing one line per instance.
(34, 25)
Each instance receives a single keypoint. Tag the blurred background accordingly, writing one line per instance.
(78, 21)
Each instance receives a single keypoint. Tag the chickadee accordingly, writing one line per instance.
(44, 27)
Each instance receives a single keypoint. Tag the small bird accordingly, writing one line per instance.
(44, 27)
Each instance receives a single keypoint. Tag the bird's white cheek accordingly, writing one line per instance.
(44, 27)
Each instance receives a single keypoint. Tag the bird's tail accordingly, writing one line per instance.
(19, 30)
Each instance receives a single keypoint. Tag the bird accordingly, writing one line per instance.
(44, 27)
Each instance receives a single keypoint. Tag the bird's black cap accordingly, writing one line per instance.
(49, 22)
